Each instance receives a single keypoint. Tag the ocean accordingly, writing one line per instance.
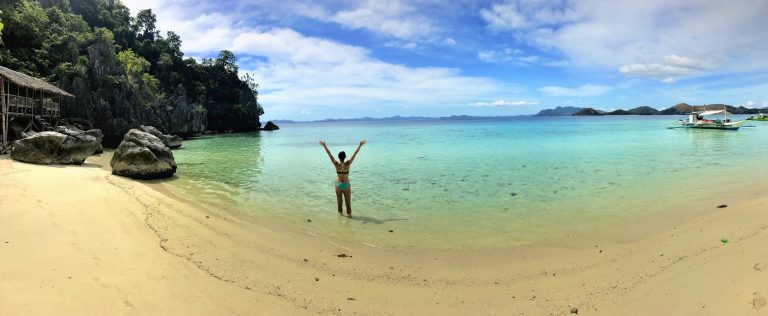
(479, 183)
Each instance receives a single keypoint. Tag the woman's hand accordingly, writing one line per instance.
(322, 142)
(362, 142)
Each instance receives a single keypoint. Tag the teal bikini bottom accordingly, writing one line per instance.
(342, 185)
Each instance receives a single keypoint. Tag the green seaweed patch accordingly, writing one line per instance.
(724, 240)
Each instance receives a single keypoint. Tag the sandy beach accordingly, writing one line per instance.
(77, 240)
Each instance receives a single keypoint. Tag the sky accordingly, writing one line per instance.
(350, 58)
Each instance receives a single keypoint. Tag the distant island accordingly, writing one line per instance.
(677, 109)
(404, 118)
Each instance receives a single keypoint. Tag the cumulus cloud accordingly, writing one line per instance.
(587, 90)
(503, 103)
(300, 70)
(389, 18)
(521, 15)
(655, 38)
(669, 66)
(507, 55)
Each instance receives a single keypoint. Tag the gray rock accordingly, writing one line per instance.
(172, 141)
(270, 126)
(56, 148)
(76, 132)
(143, 156)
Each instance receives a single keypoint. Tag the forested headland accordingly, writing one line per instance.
(122, 70)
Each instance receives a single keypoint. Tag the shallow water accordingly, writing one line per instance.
(472, 184)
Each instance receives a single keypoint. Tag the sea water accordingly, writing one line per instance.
(475, 183)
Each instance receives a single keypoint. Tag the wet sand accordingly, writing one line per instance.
(78, 240)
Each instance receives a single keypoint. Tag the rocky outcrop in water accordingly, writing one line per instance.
(143, 156)
(270, 126)
(56, 148)
(172, 141)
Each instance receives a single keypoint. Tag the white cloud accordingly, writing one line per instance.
(750, 104)
(587, 90)
(503, 103)
(521, 15)
(656, 38)
(669, 80)
(507, 55)
(669, 66)
(449, 42)
(302, 70)
(389, 18)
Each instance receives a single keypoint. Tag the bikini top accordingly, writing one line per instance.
(342, 170)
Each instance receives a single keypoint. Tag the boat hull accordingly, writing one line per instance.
(709, 126)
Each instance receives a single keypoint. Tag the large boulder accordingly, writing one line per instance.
(142, 155)
(270, 126)
(56, 148)
(172, 141)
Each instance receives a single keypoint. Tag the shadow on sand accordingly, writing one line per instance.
(371, 220)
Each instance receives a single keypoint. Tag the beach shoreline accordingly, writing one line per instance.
(123, 246)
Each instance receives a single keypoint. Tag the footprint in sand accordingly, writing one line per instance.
(760, 266)
(758, 301)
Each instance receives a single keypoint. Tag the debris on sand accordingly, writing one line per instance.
(758, 301)
(722, 206)
(343, 255)
(574, 310)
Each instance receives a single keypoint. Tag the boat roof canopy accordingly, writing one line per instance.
(713, 112)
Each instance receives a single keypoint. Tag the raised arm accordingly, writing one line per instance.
(356, 151)
(328, 152)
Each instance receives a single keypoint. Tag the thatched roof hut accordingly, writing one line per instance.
(15, 100)
(30, 82)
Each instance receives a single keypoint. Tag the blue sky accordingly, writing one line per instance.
(331, 59)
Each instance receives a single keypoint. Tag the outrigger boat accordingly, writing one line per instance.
(760, 117)
(701, 120)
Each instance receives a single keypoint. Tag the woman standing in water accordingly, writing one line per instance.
(343, 188)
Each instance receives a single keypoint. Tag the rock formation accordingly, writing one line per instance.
(57, 148)
(588, 112)
(171, 141)
(143, 156)
(559, 111)
(270, 126)
(116, 106)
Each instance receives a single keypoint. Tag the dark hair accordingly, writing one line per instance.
(342, 156)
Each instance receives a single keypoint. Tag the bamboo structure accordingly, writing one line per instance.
(41, 105)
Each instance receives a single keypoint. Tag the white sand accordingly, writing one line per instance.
(76, 240)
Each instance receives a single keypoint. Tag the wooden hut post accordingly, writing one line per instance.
(4, 108)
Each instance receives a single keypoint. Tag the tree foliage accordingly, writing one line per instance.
(52, 39)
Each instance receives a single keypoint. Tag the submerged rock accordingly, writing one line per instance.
(143, 156)
(66, 146)
(172, 141)
(270, 126)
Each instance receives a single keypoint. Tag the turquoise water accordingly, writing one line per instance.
(468, 184)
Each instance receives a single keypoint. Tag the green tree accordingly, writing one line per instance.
(1, 29)
(145, 24)
(133, 65)
(228, 61)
